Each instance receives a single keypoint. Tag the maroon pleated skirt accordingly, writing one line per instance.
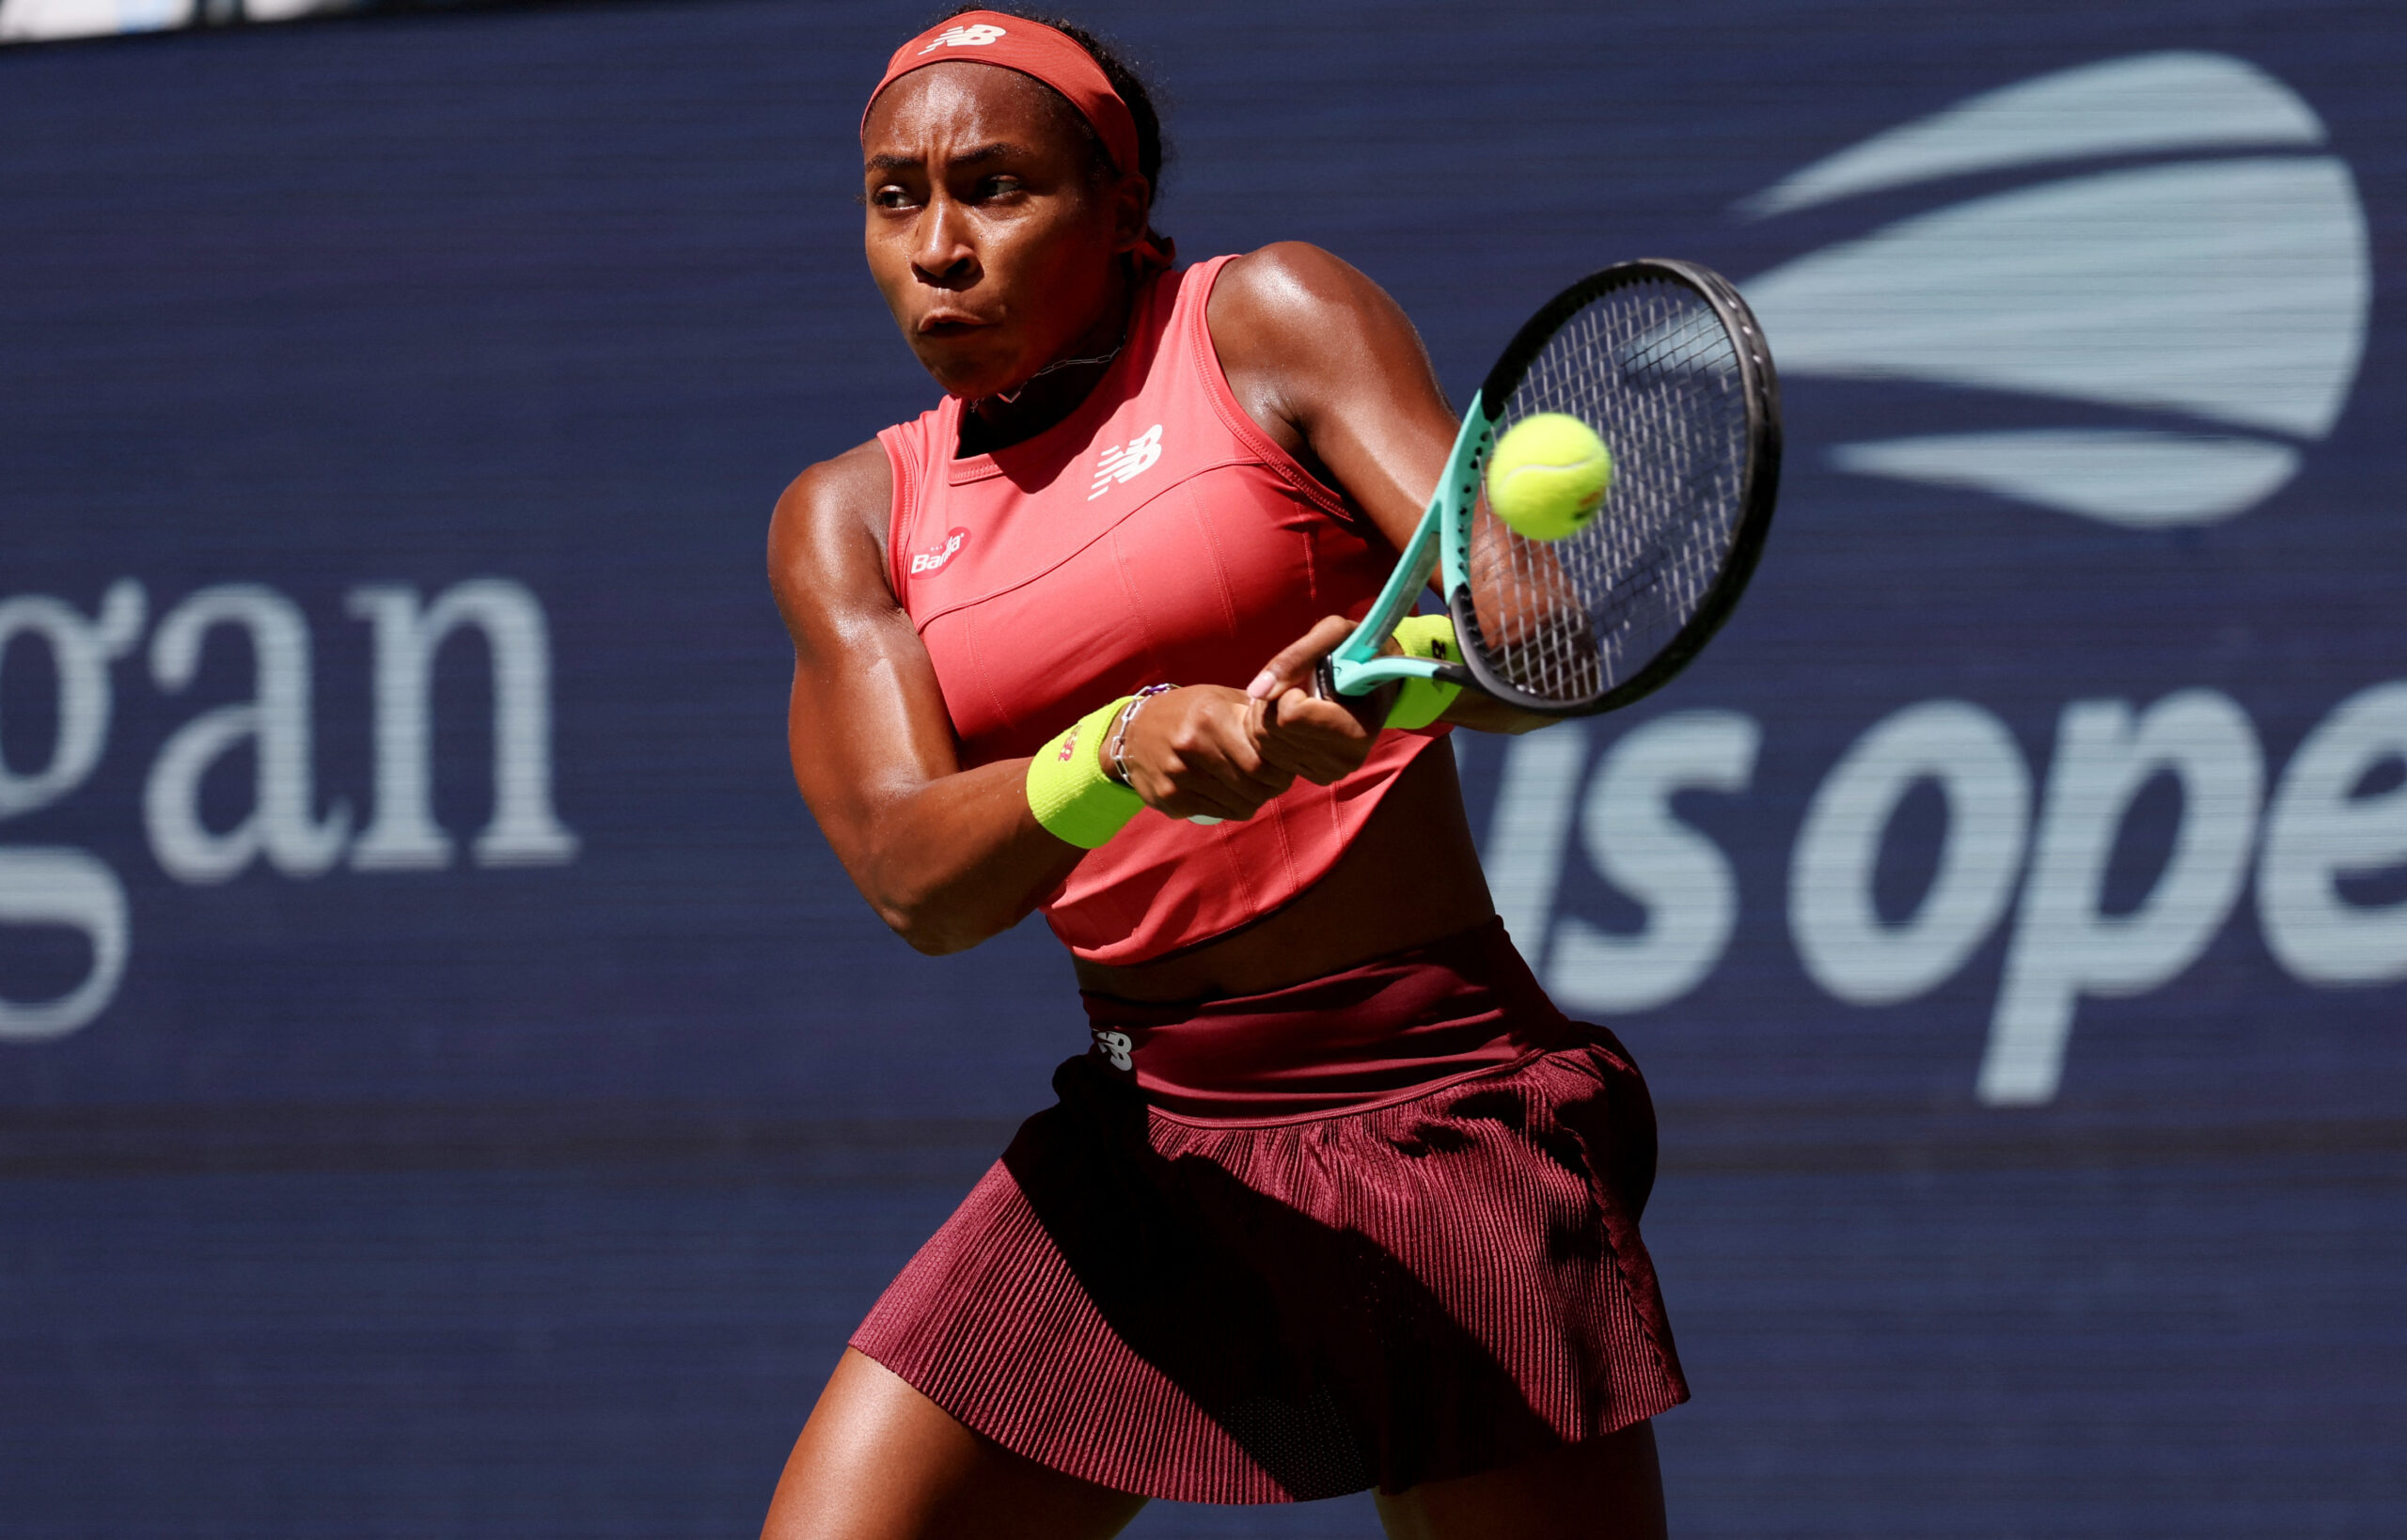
(1378, 1229)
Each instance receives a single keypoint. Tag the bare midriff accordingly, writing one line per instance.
(1411, 876)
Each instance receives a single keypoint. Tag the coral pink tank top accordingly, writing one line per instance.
(1154, 535)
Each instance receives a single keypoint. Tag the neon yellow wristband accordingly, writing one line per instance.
(1422, 701)
(1069, 793)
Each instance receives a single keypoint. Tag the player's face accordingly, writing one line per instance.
(996, 247)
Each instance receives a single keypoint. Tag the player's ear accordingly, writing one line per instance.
(1132, 200)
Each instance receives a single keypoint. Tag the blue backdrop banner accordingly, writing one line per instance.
(447, 1086)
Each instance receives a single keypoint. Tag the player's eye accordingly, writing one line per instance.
(889, 197)
(999, 186)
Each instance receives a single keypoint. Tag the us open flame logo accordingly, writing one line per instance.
(2220, 303)
(2151, 339)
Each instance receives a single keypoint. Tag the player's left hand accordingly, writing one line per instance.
(1299, 732)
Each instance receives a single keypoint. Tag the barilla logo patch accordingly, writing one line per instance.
(934, 559)
(964, 36)
(1127, 460)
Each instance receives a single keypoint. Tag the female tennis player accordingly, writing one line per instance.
(1336, 1199)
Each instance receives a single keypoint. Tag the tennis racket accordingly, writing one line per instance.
(1666, 363)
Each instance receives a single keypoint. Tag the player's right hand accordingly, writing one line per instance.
(1195, 750)
(1322, 740)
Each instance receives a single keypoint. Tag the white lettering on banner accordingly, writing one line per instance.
(45, 886)
(2064, 947)
(1680, 876)
(2322, 826)
(67, 888)
(1524, 851)
(524, 830)
(72, 890)
(1839, 935)
(80, 653)
(282, 824)
(2316, 830)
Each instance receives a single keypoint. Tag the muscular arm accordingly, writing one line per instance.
(947, 856)
(1330, 367)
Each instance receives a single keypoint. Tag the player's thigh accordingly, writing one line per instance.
(1607, 1488)
(879, 1461)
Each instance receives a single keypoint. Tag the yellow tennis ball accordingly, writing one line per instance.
(1550, 476)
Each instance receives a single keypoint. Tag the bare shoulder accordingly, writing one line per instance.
(1305, 340)
(827, 537)
(852, 492)
(1293, 292)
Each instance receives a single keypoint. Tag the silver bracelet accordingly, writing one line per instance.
(1119, 747)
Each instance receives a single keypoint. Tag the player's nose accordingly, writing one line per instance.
(943, 255)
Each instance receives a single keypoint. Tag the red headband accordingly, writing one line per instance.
(985, 36)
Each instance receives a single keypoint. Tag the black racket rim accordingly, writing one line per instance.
(1759, 385)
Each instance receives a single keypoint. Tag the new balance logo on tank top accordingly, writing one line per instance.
(1155, 534)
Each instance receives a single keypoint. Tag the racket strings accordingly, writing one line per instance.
(1651, 367)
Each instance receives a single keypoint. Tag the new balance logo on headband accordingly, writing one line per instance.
(964, 36)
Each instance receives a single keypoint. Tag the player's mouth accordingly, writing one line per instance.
(945, 323)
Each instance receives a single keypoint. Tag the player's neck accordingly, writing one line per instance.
(1054, 391)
